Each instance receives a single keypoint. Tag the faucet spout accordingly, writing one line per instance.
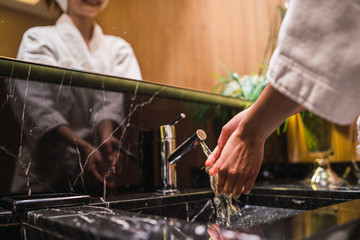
(186, 146)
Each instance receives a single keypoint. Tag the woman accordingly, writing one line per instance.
(62, 119)
(316, 66)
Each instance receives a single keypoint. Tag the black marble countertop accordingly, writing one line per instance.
(271, 211)
(6, 216)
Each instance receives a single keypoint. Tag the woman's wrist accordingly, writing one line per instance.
(267, 113)
(105, 129)
(251, 131)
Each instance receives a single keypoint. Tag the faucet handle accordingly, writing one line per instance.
(168, 131)
(182, 116)
(187, 145)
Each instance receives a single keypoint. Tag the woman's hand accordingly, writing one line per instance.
(94, 163)
(109, 149)
(236, 159)
(98, 160)
(239, 164)
(239, 154)
(225, 134)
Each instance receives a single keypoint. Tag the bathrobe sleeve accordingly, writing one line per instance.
(317, 61)
(35, 99)
(110, 105)
(125, 63)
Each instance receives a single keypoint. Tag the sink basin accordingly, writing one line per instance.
(184, 205)
(203, 210)
(261, 206)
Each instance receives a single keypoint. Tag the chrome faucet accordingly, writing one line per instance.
(186, 146)
(168, 145)
(169, 155)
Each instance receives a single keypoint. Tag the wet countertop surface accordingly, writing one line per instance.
(271, 211)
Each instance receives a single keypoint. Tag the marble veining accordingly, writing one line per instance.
(258, 222)
(100, 221)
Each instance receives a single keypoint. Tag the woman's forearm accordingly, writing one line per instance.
(238, 164)
(269, 111)
(67, 135)
(105, 129)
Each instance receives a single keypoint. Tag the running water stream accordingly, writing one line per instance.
(227, 208)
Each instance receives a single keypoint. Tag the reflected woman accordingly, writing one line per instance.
(65, 124)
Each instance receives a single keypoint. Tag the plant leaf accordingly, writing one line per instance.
(248, 87)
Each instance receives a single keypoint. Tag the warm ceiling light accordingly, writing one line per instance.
(29, 2)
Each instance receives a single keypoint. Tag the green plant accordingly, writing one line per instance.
(247, 87)
(317, 132)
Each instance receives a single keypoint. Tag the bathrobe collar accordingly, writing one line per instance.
(75, 41)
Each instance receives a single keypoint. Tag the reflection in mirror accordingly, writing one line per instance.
(60, 124)
(68, 136)
(70, 140)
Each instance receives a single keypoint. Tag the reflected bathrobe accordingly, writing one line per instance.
(47, 106)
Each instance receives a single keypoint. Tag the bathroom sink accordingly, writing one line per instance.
(183, 205)
(204, 211)
(200, 208)
(260, 206)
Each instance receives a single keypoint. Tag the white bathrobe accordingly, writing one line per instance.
(49, 106)
(317, 62)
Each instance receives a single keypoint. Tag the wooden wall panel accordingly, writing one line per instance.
(13, 25)
(183, 42)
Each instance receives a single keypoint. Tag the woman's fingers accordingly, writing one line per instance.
(238, 188)
(213, 170)
(249, 184)
(95, 165)
(238, 165)
(229, 184)
(221, 179)
(94, 171)
(212, 157)
(226, 131)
